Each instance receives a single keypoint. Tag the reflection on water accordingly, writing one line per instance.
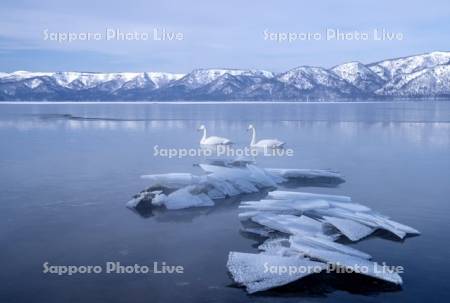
(420, 133)
(67, 170)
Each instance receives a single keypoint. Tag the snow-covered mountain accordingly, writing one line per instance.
(428, 82)
(319, 82)
(201, 77)
(394, 68)
(359, 75)
(419, 76)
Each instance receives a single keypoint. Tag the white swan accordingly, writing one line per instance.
(212, 140)
(266, 143)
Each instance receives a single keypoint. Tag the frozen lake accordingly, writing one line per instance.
(67, 170)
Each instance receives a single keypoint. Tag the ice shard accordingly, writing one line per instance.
(349, 262)
(222, 179)
(353, 230)
(284, 206)
(295, 173)
(172, 180)
(303, 230)
(298, 196)
(307, 226)
(292, 225)
(259, 272)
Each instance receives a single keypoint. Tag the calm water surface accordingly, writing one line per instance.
(67, 170)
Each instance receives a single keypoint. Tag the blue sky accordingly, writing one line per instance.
(216, 34)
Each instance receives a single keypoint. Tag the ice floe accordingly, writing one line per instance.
(353, 220)
(353, 230)
(295, 173)
(292, 225)
(252, 270)
(222, 179)
(304, 227)
(303, 231)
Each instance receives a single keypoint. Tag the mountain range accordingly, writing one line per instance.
(414, 77)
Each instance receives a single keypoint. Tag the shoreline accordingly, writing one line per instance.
(213, 102)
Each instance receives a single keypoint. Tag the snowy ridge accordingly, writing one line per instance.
(393, 68)
(359, 75)
(418, 76)
(200, 77)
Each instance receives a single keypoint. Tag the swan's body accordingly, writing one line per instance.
(213, 140)
(265, 143)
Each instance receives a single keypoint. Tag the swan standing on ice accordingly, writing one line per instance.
(265, 143)
(212, 140)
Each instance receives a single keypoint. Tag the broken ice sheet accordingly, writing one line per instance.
(353, 230)
(297, 173)
(187, 197)
(285, 260)
(172, 180)
(325, 244)
(342, 258)
(371, 219)
(284, 206)
(298, 196)
(258, 272)
(312, 221)
(292, 225)
(225, 179)
(315, 221)
(353, 220)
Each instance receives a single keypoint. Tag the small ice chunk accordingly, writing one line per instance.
(321, 243)
(367, 218)
(273, 206)
(239, 178)
(275, 245)
(142, 197)
(350, 206)
(215, 194)
(260, 231)
(407, 229)
(284, 205)
(353, 230)
(352, 263)
(238, 162)
(260, 176)
(278, 247)
(237, 172)
(248, 214)
(291, 195)
(159, 199)
(259, 272)
(172, 180)
(187, 197)
(247, 179)
(296, 173)
(133, 203)
(290, 224)
(223, 186)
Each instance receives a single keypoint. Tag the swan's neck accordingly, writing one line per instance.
(204, 134)
(253, 137)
